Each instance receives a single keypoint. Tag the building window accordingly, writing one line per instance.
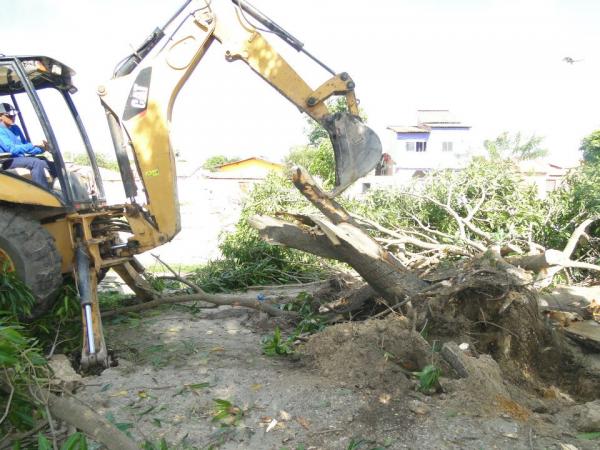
(447, 146)
(416, 146)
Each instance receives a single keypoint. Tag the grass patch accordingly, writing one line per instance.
(275, 345)
(226, 413)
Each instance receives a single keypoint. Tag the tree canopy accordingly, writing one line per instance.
(213, 162)
(516, 147)
(590, 146)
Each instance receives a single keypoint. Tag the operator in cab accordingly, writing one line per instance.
(22, 152)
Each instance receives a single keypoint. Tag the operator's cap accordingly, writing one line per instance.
(8, 109)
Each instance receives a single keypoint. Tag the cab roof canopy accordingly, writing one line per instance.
(42, 71)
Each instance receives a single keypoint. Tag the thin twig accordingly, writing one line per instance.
(499, 326)
(195, 287)
(424, 326)
(54, 344)
(384, 303)
(332, 430)
(9, 440)
(180, 280)
(52, 430)
(391, 309)
(12, 391)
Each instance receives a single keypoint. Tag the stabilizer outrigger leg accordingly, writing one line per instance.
(94, 352)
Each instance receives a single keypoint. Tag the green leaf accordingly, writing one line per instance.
(124, 426)
(6, 359)
(198, 385)
(428, 377)
(43, 443)
(589, 436)
(146, 411)
(222, 403)
(76, 441)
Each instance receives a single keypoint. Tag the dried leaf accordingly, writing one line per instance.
(120, 394)
(303, 422)
(271, 425)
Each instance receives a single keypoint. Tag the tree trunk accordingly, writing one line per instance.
(339, 236)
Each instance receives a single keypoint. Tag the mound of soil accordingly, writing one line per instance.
(371, 354)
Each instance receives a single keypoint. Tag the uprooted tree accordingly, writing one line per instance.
(463, 253)
(460, 254)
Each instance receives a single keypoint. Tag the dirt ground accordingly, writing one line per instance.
(348, 388)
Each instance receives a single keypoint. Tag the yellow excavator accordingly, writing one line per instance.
(69, 229)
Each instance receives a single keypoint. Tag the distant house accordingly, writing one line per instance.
(437, 141)
(545, 176)
(253, 168)
(245, 173)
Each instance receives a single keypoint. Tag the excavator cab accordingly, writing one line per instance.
(51, 231)
(40, 89)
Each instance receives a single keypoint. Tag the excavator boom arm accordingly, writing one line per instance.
(140, 98)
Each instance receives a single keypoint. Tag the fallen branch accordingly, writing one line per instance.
(81, 417)
(88, 421)
(553, 261)
(402, 238)
(245, 300)
(549, 259)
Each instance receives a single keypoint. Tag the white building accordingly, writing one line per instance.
(437, 141)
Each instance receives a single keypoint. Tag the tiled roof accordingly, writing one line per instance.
(427, 119)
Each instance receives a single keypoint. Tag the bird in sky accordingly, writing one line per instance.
(570, 60)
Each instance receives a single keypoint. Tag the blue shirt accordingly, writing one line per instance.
(13, 141)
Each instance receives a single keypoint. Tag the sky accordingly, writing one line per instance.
(497, 65)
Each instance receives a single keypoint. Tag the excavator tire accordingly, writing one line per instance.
(29, 249)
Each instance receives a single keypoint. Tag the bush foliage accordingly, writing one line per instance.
(214, 162)
(22, 348)
(493, 192)
(247, 259)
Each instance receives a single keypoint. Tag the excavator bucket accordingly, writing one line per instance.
(357, 149)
